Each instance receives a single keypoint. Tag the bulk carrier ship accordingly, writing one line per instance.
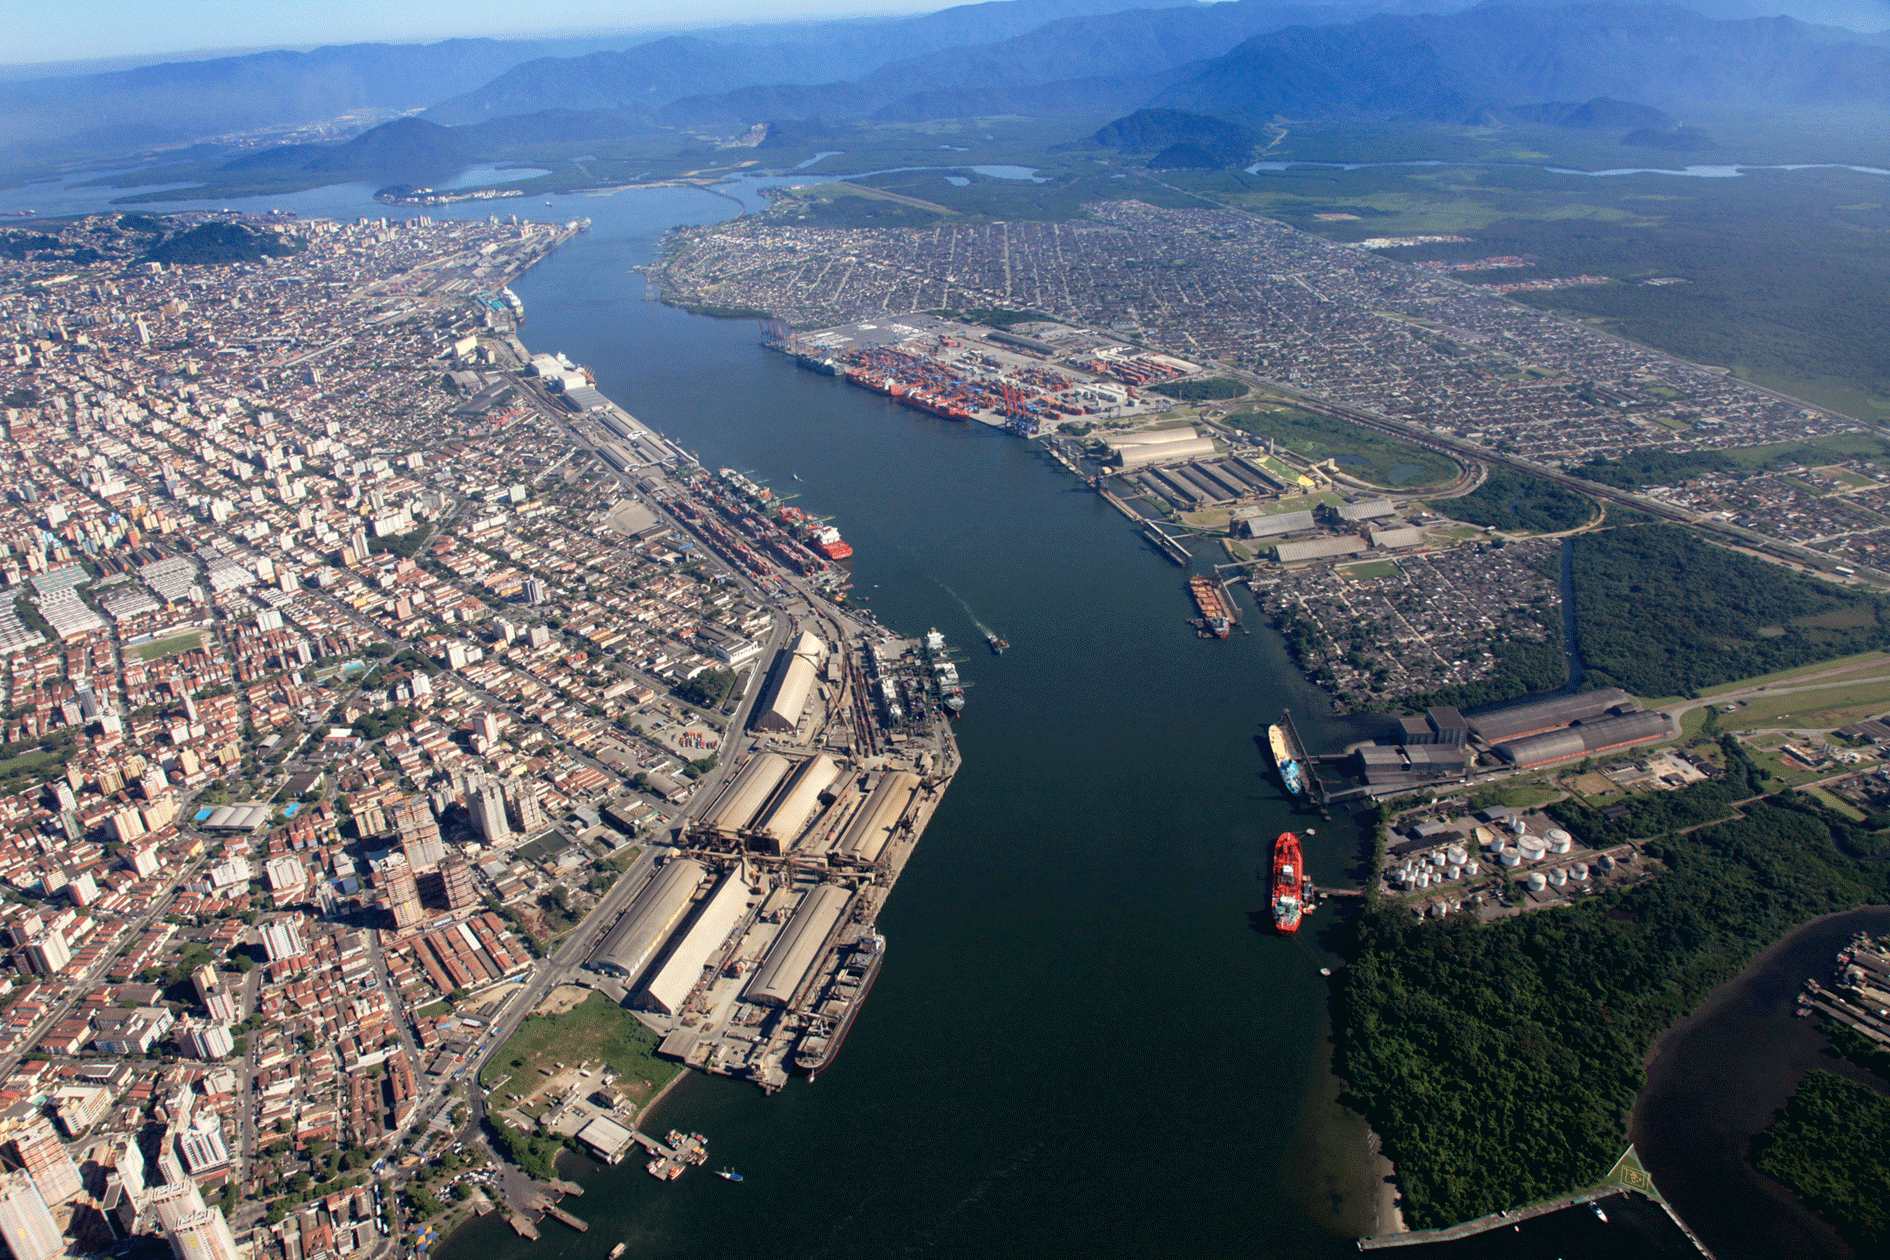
(1286, 758)
(1215, 618)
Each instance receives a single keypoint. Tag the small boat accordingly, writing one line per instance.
(728, 1174)
(1598, 1212)
(997, 645)
(797, 476)
(617, 1250)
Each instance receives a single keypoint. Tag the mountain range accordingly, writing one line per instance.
(1619, 65)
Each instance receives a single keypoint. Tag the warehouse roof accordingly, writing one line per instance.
(1367, 509)
(799, 946)
(630, 945)
(797, 801)
(1314, 548)
(873, 826)
(1408, 536)
(1278, 523)
(1589, 737)
(1546, 714)
(748, 792)
(721, 911)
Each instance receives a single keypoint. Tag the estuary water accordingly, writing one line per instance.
(1080, 1043)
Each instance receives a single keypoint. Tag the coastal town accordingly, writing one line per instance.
(374, 685)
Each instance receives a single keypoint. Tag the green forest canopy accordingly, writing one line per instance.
(1830, 1145)
(1662, 612)
(1508, 499)
(1205, 389)
(1499, 1062)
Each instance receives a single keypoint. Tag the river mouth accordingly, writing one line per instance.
(1715, 1079)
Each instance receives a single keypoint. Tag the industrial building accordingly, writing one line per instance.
(790, 683)
(801, 944)
(1402, 536)
(722, 911)
(1276, 525)
(795, 806)
(1319, 548)
(1367, 510)
(747, 793)
(633, 941)
(1589, 737)
(866, 836)
(1158, 446)
(1547, 714)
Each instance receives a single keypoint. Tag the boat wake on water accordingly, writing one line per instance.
(996, 644)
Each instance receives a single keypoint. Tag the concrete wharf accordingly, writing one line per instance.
(1168, 546)
(522, 1226)
(557, 1213)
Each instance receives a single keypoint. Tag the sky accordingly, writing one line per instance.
(75, 30)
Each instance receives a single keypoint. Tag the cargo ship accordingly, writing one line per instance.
(841, 1005)
(1288, 883)
(817, 363)
(1214, 615)
(827, 541)
(1286, 759)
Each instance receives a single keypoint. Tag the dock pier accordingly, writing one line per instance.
(559, 1214)
(1168, 546)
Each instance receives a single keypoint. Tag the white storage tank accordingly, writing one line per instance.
(1456, 855)
(1437, 858)
(1558, 877)
(1532, 849)
(1604, 863)
(1510, 857)
(1471, 868)
(1559, 841)
(1518, 826)
(1536, 881)
(1578, 872)
(1453, 871)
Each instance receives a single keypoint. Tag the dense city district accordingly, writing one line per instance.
(376, 690)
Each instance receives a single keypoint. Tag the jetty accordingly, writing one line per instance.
(557, 1213)
(1168, 546)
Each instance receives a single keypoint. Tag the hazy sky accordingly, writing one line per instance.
(72, 30)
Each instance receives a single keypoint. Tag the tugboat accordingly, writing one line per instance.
(618, 1250)
(1288, 883)
(728, 1174)
(997, 645)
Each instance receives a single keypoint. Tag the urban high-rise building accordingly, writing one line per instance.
(282, 939)
(25, 1221)
(202, 1039)
(456, 881)
(202, 1146)
(47, 952)
(402, 892)
(527, 813)
(35, 1148)
(202, 1235)
(487, 805)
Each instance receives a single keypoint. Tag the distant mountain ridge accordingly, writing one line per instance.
(651, 75)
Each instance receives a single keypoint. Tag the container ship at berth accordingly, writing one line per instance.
(1289, 879)
(1286, 759)
(840, 1004)
(1214, 615)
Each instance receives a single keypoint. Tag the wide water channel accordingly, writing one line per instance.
(1080, 1044)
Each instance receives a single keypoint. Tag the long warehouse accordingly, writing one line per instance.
(790, 683)
(748, 792)
(721, 911)
(873, 826)
(1589, 737)
(797, 803)
(799, 947)
(629, 946)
